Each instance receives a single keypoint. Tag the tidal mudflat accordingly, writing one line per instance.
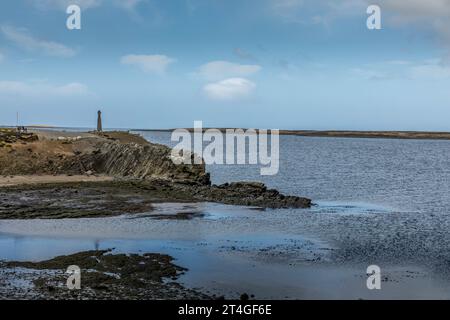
(228, 250)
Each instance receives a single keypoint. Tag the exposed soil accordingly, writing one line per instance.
(118, 154)
(8, 181)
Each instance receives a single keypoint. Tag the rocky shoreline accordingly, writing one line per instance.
(129, 196)
(104, 275)
(141, 173)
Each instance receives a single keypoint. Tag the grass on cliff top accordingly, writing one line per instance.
(124, 137)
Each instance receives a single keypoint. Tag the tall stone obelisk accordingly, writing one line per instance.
(99, 121)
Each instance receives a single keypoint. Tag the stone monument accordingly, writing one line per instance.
(99, 122)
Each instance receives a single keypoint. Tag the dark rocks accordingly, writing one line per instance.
(237, 193)
(13, 136)
(130, 196)
(251, 194)
(73, 200)
(244, 297)
(104, 275)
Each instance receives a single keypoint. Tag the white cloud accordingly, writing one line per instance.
(129, 5)
(286, 9)
(63, 4)
(217, 70)
(371, 74)
(229, 89)
(418, 9)
(430, 71)
(241, 53)
(148, 63)
(399, 62)
(284, 6)
(42, 89)
(425, 15)
(434, 14)
(298, 11)
(24, 39)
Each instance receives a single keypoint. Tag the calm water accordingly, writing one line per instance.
(383, 202)
(410, 175)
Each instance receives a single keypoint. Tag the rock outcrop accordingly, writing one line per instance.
(141, 162)
(98, 155)
(252, 194)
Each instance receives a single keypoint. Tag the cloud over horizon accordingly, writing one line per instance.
(22, 38)
(157, 64)
(42, 89)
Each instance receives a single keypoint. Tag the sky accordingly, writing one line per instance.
(276, 64)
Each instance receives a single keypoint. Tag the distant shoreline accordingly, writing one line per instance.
(420, 135)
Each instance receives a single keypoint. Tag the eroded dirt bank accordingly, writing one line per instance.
(117, 154)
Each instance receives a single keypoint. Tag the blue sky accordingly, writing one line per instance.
(286, 64)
